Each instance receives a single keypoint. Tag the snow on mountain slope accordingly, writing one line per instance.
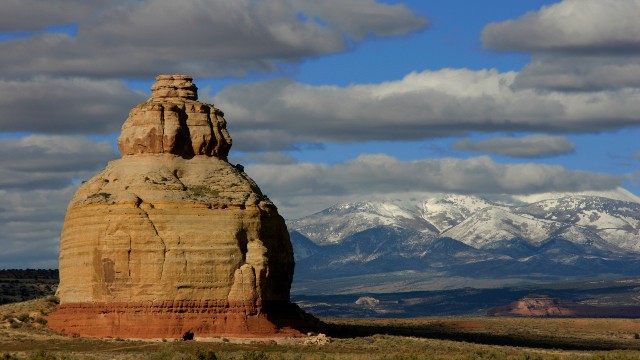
(584, 236)
(605, 223)
(493, 224)
(615, 221)
(449, 210)
(332, 225)
(616, 194)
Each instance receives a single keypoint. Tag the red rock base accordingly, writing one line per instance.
(174, 319)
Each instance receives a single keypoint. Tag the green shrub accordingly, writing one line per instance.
(255, 355)
(203, 190)
(15, 325)
(44, 355)
(205, 355)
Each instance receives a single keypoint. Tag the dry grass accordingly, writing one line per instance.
(430, 338)
(28, 315)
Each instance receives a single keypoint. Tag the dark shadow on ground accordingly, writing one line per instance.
(444, 332)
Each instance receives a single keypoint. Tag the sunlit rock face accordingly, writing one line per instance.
(171, 238)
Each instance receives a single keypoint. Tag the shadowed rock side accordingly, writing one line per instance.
(172, 238)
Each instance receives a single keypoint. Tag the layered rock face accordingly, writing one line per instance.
(171, 238)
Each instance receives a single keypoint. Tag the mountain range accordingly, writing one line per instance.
(449, 241)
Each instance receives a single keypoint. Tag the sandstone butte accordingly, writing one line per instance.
(171, 239)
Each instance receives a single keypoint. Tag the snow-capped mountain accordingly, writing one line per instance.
(334, 224)
(558, 234)
(615, 221)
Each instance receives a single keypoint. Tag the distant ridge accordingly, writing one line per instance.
(474, 240)
(541, 305)
(26, 284)
(606, 298)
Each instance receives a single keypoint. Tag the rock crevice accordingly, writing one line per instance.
(157, 235)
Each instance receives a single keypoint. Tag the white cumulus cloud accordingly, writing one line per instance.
(570, 26)
(277, 114)
(576, 44)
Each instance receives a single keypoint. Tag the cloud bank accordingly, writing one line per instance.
(200, 37)
(576, 44)
(35, 189)
(582, 26)
(34, 15)
(65, 105)
(30, 226)
(50, 162)
(302, 188)
(277, 114)
(533, 146)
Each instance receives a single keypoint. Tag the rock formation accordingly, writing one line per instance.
(538, 305)
(171, 238)
(534, 305)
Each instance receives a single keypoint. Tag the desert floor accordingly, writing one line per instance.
(24, 335)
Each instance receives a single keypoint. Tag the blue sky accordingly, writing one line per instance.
(326, 101)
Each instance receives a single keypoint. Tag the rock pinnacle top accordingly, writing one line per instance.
(172, 121)
(174, 86)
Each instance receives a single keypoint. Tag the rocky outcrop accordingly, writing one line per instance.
(172, 121)
(534, 305)
(539, 305)
(171, 237)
